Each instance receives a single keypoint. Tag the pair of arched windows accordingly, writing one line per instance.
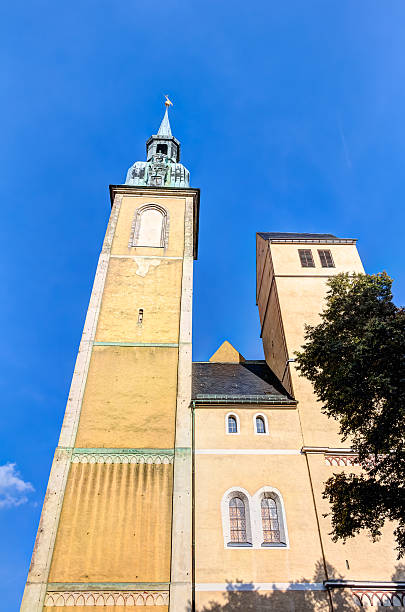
(150, 227)
(254, 522)
(260, 424)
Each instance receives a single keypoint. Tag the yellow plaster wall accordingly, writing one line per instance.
(342, 599)
(226, 353)
(287, 473)
(115, 524)
(300, 301)
(284, 428)
(367, 560)
(154, 286)
(175, 207)
(274, 601)
(264, 288)
(261, 250)
(130, 398)
(298, 293)
(274, 345)
(286, 259)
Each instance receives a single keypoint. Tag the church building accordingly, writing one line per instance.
(197, 487)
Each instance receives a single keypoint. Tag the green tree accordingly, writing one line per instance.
(355, 359)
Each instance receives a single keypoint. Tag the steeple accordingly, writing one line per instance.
(165, 129)
(162, 168)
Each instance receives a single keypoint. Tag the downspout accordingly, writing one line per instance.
(193, 504)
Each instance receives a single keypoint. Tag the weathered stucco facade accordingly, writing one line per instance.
(122, 474)
(185, 486)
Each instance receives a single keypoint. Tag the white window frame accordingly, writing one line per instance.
(226, 521)
(254, 526)
(266, 424)
(232, 433)
(257, 518)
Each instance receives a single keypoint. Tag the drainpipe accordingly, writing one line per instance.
(193, 503)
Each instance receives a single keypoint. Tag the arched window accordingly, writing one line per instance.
(260, 425)
(232, 424)
(237, 520)
(257, 521)
(150, 227)
(270, 523)
(274, 529)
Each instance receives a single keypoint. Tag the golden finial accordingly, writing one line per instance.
(167, 101)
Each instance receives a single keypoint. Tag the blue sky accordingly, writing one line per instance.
(290, 116)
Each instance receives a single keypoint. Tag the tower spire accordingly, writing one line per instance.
(162, 167)
(165, 129)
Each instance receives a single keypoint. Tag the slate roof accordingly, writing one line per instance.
(246, 382)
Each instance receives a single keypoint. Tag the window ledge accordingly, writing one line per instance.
(239, 545)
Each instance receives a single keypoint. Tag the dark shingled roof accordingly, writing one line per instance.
(296, 236)
(249, 381)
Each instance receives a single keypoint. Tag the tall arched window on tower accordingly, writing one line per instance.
(150, 227)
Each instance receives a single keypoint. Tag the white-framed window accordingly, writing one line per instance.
(272, 526)
(232, 423)
(260, 424)
(150, 227)
(257, 521)
(236, 518)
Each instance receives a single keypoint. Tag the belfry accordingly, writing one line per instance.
(197, 487)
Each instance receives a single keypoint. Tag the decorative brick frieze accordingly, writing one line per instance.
(128, 457)
(366, 598)
(342, 460)
(126, 599)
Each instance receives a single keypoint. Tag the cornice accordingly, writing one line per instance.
(257, 400)
(377, 585)
(327, 450)
(313, 241)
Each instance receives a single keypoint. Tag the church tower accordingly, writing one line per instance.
(116, 524)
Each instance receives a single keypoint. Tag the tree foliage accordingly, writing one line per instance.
(355, 359)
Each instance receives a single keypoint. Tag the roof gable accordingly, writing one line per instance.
(226, 353)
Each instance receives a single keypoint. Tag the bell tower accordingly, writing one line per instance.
(162, 167)
(116, 524)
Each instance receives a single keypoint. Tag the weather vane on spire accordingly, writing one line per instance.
(167, 101)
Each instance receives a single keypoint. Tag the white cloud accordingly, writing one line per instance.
(13, 489)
